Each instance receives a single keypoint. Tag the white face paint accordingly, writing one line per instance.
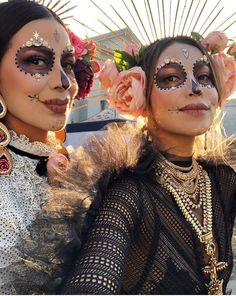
(37, 80)
(184, 98)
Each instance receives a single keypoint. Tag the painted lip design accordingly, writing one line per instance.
(195, 109)
(56, 105)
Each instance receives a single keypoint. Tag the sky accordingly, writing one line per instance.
(86, 12)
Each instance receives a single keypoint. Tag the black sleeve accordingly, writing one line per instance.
(102, 259)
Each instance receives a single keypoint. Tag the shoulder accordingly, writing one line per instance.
(223, 178)
(222, 171)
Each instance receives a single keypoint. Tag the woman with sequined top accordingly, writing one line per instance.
(162, 218)
(37, 87)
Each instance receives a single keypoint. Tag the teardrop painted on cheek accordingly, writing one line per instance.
(64, 81)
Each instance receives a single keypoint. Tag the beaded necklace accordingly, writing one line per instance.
(191, 189)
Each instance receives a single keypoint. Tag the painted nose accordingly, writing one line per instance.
(65, 83)
(196, 90)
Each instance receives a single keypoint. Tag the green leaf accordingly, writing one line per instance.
(215, 49)
(196, 36)
(124, 61)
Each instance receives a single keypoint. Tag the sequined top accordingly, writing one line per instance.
(139, 242)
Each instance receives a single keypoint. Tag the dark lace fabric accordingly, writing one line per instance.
(138, 241)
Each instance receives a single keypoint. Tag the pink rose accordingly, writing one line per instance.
(127, 95)
(131, 49)
(215, 41)
(56, 164)
(226, 68)
(78, 44)
(4, 165)
(2, 136)
(108, 74)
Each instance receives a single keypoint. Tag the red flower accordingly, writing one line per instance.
(84, 76)
(85, 67)
(78, 44)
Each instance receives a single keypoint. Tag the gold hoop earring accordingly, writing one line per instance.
(5, 138)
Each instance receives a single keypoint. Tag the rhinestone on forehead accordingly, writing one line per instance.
(203, 59)
(168, 60)
(185, 53)
(37, 41)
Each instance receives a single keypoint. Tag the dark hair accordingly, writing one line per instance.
(150, 55)
(17, 13)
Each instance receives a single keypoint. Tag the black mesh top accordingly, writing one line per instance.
(140, 243)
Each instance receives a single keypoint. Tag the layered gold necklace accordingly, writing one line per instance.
(191, 189)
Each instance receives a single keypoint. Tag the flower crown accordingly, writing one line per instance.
(85, 66)
(126, 82)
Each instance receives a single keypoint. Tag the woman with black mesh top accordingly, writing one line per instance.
(162, 218)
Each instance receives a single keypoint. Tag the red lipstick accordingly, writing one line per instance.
(195, 109)
(56, 105)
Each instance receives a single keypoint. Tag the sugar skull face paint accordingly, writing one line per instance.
(164, 80)
(36, 61)
(171, 74)
(183, 98)
(39, 102)
(203, 73)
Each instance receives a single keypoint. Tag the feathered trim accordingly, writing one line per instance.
(119, 148)
(122, 146)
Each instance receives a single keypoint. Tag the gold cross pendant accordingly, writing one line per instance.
(215, 287)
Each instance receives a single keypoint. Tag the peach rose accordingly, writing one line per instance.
(127, 95)
(108, 74)
(226, 68)
(215, 41)
(131, 49)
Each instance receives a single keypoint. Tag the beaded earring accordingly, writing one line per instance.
(5, 157)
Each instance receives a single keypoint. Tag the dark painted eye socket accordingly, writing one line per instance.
(35, 60)
(170, 75)
(203, 73)
(68, 66)
(68, 62)
(205, 79)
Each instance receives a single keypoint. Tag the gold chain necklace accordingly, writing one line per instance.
(176, 181)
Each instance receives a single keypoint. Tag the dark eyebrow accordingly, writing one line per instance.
(35, 48)
(199, 64)
(175, 66)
